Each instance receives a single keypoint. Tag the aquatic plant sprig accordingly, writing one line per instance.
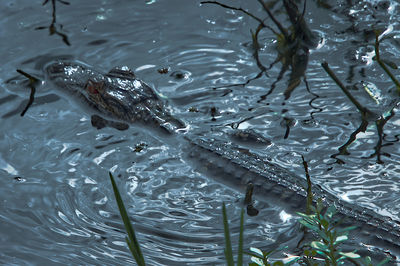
(321, 220)
(324, 223)
(262, 258)
(258, 257)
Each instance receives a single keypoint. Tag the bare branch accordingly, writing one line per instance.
(235, 8)
(279, 25)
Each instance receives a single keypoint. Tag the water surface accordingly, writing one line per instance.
(57, 205)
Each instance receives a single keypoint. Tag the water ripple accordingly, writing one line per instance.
(55, 195)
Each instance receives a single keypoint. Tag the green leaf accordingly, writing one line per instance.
(132, 242)
(322, 253)
(257, 261)
(320, 246)
(340, 239)
(324, 235)
(330, 211)
(133, 250)
(278, 263)
(302, 214)
(368, 260)
(350, 255)
(324, 223)
(228, 246)
(309, 226)
(307, 252)
(240, 248)
(257, 251)
(292, 260)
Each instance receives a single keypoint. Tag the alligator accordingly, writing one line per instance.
(118, 99)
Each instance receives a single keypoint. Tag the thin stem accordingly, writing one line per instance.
(279, 25)
(235, 8)
(383, 66)
(364, 111)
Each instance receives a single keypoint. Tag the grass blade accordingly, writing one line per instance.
(228, 245)
(132, 242)
(240, 248)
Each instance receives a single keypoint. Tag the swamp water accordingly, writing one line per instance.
(56, 200)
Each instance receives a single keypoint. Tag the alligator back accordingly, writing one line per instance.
(224, 160)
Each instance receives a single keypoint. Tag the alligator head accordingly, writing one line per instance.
(117, 95)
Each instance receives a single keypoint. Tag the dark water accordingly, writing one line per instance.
(57, 205)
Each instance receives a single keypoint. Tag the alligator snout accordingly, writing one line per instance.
(54, 72)
(60, 68)
(54, 68)
(118, 94)
(68, 69)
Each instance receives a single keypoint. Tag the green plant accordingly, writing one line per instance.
(228, 246)
(327, 248)
(131, 239)
(320, 220)
(262, 258)
(324, 223)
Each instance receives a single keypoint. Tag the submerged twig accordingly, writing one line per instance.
(52, 28)
(32, 81)
(382, 64)
(279, 25)
(364, 111)
(380, 123)
(343, 149)
(237, 9)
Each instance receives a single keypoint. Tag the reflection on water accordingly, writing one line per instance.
(57, 205)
